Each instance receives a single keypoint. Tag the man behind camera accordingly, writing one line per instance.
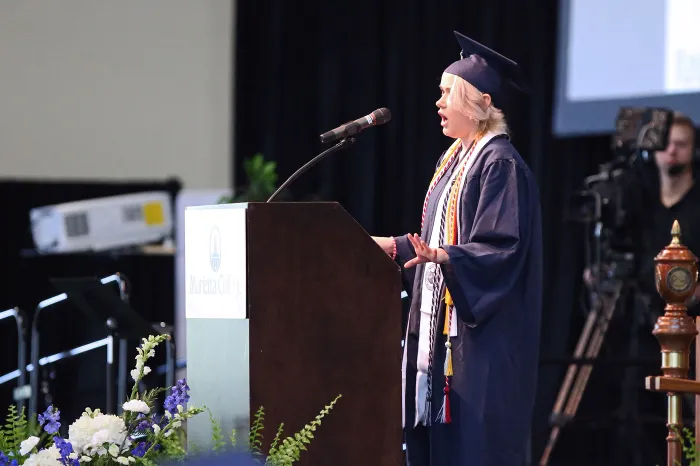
(673, 195)
(666, 193)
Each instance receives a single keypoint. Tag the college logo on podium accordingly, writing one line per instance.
(215, 249)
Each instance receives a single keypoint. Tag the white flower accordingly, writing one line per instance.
(48, 457)
(123, 460)
(136, 406)
(114, 450)
(137, 370)
(145, 351)
(89, 434)
(85, 459)
(156, 428)
(28, 445)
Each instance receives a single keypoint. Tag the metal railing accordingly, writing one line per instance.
(37, 362)
(35, 339)
(21, 372)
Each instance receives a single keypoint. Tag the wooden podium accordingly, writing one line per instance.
(288, 306)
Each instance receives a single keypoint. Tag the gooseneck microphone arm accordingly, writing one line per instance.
(340, 145)
(346, 135)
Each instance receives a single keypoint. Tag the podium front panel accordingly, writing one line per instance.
(218, 344)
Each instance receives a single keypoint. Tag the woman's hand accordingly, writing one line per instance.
(425, 253)
(387, 244)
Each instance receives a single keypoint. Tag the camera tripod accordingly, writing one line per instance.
(606, 297)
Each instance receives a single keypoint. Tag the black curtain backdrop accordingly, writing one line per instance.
(305, 67)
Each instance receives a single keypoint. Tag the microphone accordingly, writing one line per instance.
(377, 117)
(345, 133)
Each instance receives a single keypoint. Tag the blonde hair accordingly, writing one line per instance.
(470, 102)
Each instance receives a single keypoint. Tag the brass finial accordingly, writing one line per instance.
(676, 233)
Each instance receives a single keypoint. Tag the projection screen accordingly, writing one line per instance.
(614, 53)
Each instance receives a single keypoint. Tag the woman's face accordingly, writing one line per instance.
(455, 124)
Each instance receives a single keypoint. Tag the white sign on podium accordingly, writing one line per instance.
(215, 262)
(218, 343)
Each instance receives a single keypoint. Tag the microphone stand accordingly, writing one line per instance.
(343, 143)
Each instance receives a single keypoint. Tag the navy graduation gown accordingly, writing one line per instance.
(495, 279)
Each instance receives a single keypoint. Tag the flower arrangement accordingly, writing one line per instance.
(136, 437)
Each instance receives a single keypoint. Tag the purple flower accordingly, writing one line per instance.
(179, 396)
(140, 449)
(144, 423)
(5, 461)
(50, 418)
(65, 449)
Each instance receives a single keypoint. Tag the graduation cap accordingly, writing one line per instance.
(485, 69)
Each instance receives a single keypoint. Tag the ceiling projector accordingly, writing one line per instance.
(102, 224)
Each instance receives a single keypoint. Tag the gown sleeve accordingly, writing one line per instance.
(481, 273)
(404, 253)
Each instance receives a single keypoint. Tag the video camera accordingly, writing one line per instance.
(639, 129)
(609, 200)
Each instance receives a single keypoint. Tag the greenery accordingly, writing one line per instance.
(138, 436)
(282, 452)
(262, 179)
(15, 431)
(690, 449)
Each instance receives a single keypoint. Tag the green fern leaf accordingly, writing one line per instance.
(216, 432)
(255, 440)
(233, 437)
(278, 435)
(287, 451)
(12, 436)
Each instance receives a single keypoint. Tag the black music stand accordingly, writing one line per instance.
(100, 303)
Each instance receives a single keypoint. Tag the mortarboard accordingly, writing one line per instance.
(486, 69)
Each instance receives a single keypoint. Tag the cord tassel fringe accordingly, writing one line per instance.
(445, 412)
